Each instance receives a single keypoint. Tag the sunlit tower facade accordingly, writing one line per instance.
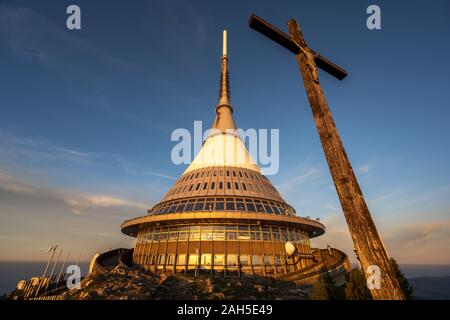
(222, 216)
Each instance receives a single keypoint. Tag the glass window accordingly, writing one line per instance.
(207, 233)
(205, 185)
(199, 206)
(219, 233)
(266, 236)
(181, 260)
(219, 259)
(220, 185)
(194, 233)
(277, 259)
(267, 260)
(219, 205)
(209, 206)
(276, 234)
(171, 259)
(231, 260)
(240, 206)
(255, 260)
(259, 207)
(161, 259)
(243, 228)
(243, 260)
(255, 235)
(228, 185)
(231, 235)
(284, 235)
(251, 207)
(213, 185)
(163, 236)
(193, 259)
(189, 207)
(243, 186)
(236, 186)
(243, 235)
(173, 235)
(268, 209)
(276, 209)
(206, 260)
(183, 235)
(230, 205)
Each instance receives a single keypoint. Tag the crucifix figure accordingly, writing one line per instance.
(368, 244)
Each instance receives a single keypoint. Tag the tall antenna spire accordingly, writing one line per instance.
(224, 92)
(224, 118)
(224, 46)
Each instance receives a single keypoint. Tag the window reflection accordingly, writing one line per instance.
(218, 204)
(221, 232)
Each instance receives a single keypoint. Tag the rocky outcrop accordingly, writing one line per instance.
(123, 283)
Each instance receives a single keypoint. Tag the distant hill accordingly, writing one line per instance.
(436, 288)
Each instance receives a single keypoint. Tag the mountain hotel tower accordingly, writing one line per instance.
(223, 217)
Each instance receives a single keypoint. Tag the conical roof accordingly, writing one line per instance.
(223, 175)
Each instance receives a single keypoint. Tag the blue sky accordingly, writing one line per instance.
(86, 116)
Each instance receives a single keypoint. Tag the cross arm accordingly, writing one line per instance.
(285, 41)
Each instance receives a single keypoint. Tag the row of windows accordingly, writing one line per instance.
(208, 260)
(223, 204)
(223, 232)
(222, 185)
(228, 173)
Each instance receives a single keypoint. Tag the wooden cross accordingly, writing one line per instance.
(367, 242)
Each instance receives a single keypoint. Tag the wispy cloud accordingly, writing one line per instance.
(80, 203)
(419, 243)
(365, 168)
(22, 193)
(305, 176)
(16, 151)
(73, 152)
(131, 168)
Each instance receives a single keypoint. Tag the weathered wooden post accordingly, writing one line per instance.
(366, 239)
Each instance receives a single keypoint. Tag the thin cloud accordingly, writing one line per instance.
(15, 150)
(131, 169)
(19, 193)
(365, 168)
(307, 175)
(86, 203)
(73, 152)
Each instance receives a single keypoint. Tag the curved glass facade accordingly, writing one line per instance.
(246, 204)
(246, 248)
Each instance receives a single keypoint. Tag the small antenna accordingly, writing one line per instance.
(224, 47)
